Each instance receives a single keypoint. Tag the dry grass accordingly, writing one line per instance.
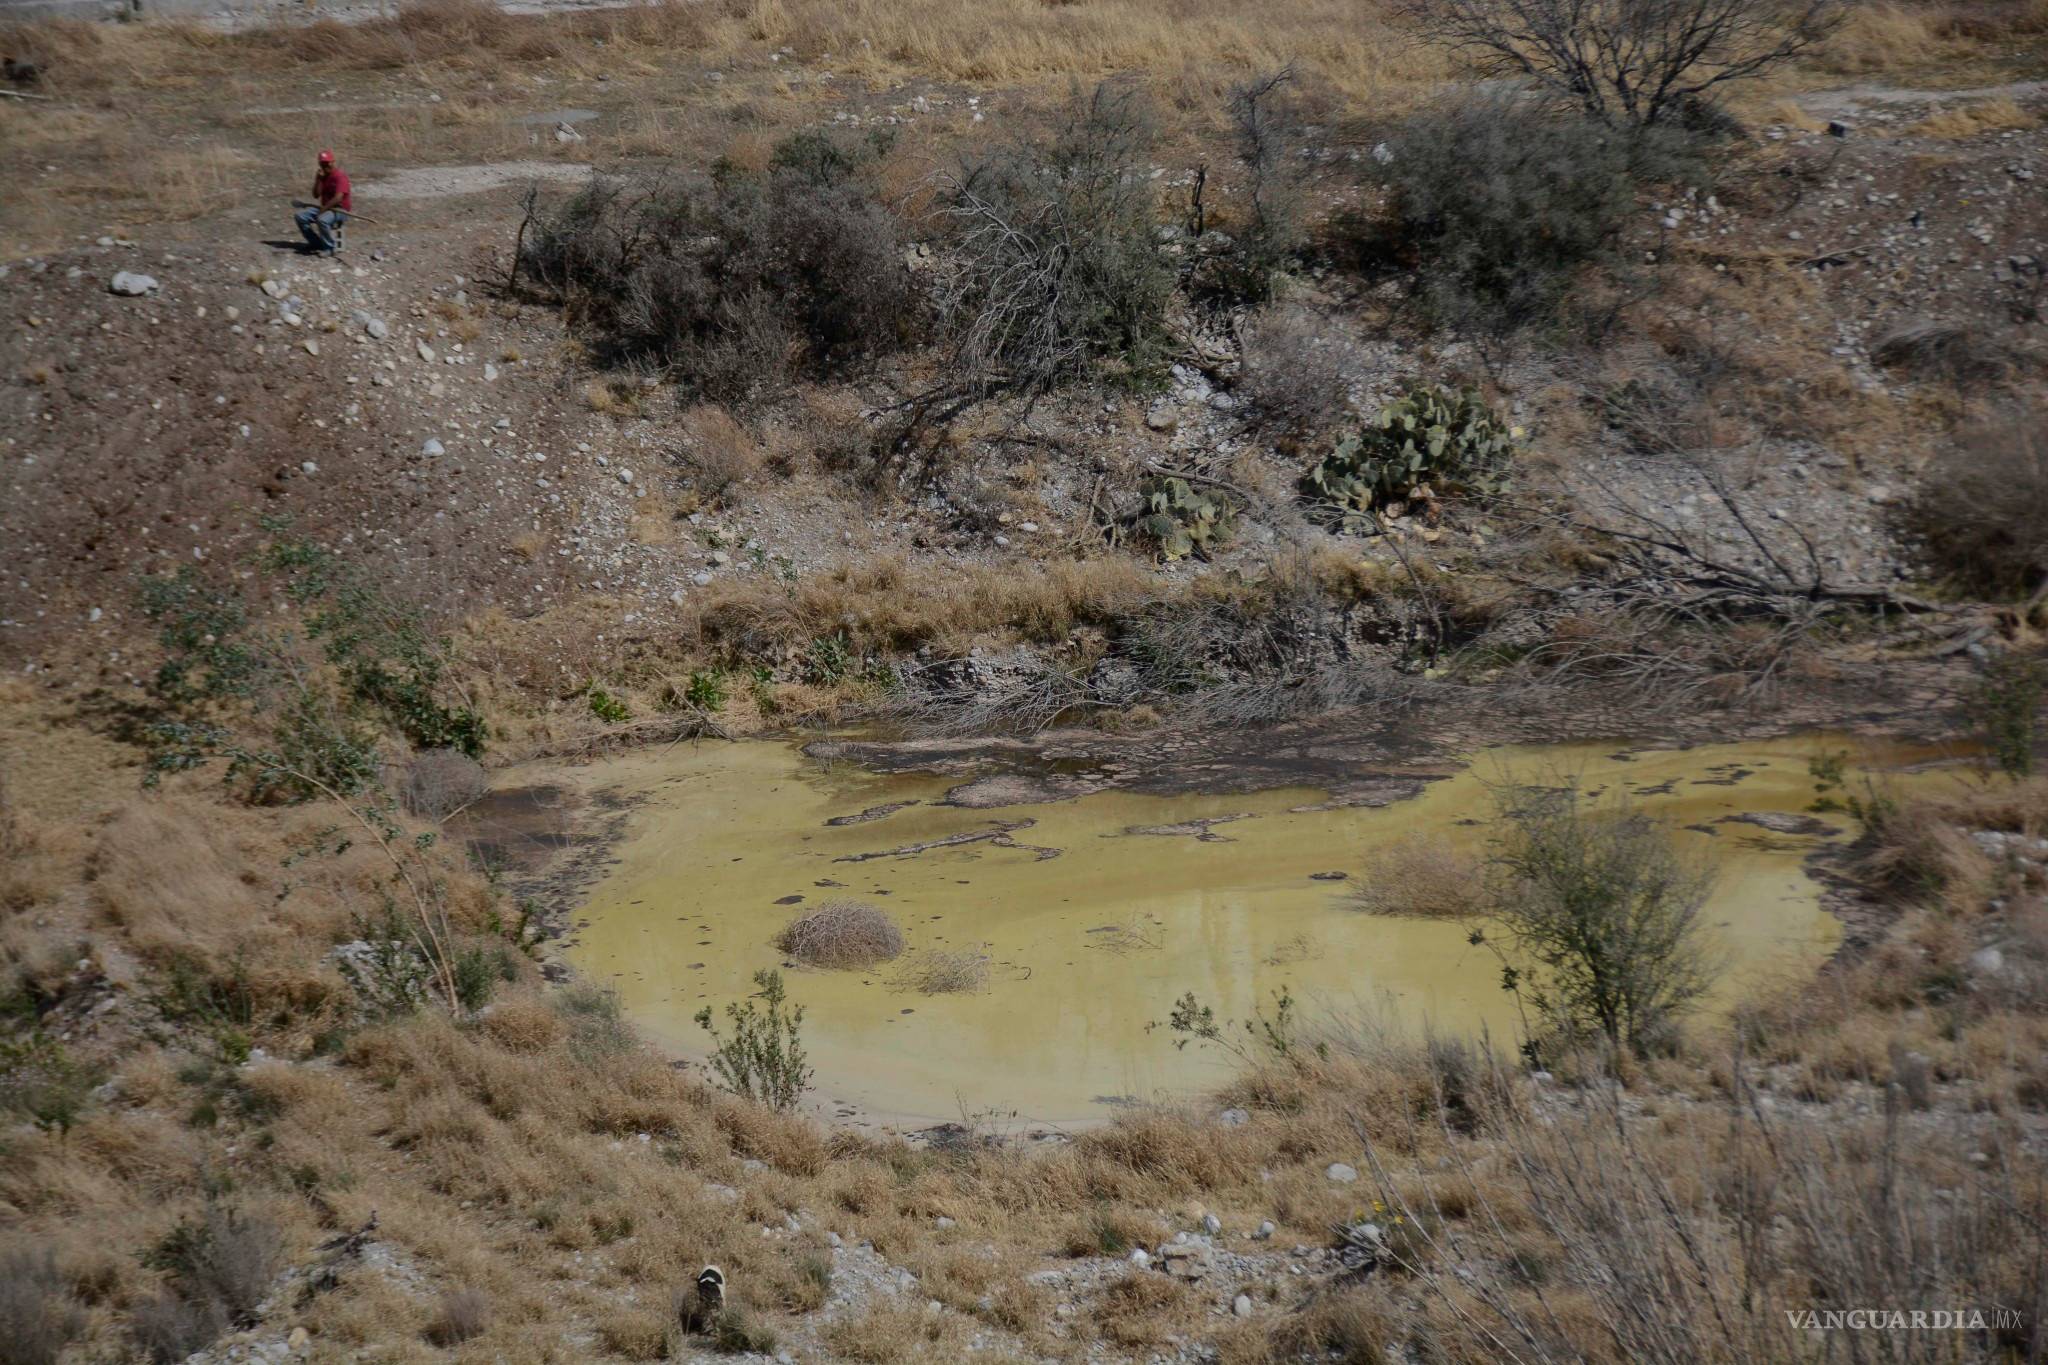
(1423, 878)
(885, 605)
(1978, 116)
(937, 971)
(719, 452)
(842, 934)
(497, 1152)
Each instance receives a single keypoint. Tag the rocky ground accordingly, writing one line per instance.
(391, 404)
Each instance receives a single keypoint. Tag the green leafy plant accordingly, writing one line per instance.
(1275, 1037)
(828, 659)
(1432, 439)
(1829, 770)
(607, 707)
(1181, 519)
(42, 1081)
(763, 1059)
(706, 692)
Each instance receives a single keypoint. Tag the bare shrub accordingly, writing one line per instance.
(1720, 1231)
(1955, 352)
(1599, 919)
(222, 1265)
(936, 971)
(220, 1269)
(736, 283)
(1264, 236)
(1298, 369)
(440, 782)
(1421, 878)
(1980, 509)
(171, 1327)
(38, 1315)
(1058, 274)
(1628, 61)
(461, 1315)
(844, 934)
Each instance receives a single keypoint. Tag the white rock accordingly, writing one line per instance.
(274, 288)
(377, 329)
(1141, 1258)
(308, 467)
(132, 284)
(1341, 1173)
(1265, 1231)
(432, 447)
(426, 352)
(1242, 1305)
(1211, 1224)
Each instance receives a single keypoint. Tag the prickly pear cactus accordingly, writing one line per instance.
(1445, 438)
(1181, 519)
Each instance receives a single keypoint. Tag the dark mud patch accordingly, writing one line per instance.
(872, 813)
(1780, 822)
(550, 844)
(1202, 830)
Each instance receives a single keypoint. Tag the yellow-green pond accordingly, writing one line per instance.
(1099, 913)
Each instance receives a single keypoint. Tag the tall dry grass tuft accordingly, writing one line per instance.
(1424, 878)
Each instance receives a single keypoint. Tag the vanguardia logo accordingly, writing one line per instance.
(1905, 1319)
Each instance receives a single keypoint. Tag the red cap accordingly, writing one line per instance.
(327, 158)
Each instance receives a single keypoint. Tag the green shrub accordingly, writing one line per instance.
(1180, 519)
(1499, 209)
(737, 283)
(43, 1082)
(1596, 921)
(706, 692)
(2004, 706)
(219, 1269)
(763, 1059)
(1446, 439)
(828, 659)
(255, 696)
(607, 707)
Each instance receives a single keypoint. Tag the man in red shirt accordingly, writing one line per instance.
(330, 208)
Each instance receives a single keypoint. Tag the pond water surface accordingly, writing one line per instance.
(1096, 913)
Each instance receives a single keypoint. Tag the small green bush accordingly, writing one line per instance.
(607, 707)
(1446, 439)
(737, 283)
(763, 1059)
(706, 692)
(1499, 209)
(41, 1080)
